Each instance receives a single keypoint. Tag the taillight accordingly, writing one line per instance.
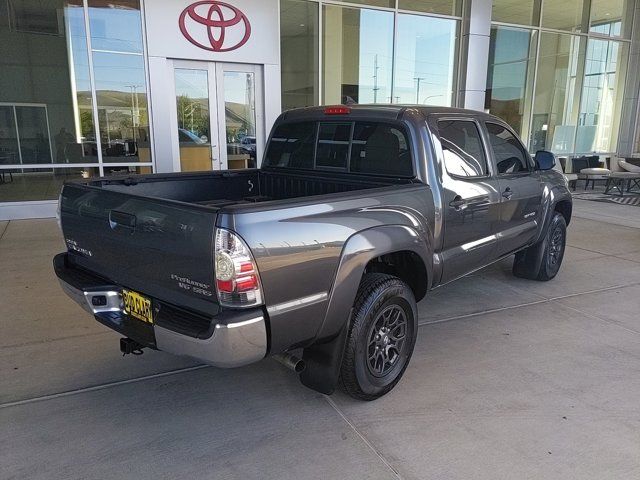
(237, 278)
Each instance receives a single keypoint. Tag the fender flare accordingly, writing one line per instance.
(324, 358)
(550, 198)
(357, 252)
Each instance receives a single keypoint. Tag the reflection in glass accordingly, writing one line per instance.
(564, 15)
(611, 17)
(115, 25)
(357, 55)
(83, 149)
(34, 134)
(125, 170)
(375, 3)
(507, 151)
(240, 119)
(44, 84)
(462, 148)
(554, 105)
(292, 145)
(604, 76)
(510, 76)
(444, 7)
(299, 53)
(9, 151)
(38, 184)
(333, 145)
(122, 107)
(522, 12)
(194, 130)
(425, 56)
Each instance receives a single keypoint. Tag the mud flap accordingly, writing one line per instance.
(528, 262)
(323, 362)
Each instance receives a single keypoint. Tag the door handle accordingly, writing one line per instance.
(508, 193)
(122, 220)
(458, 203)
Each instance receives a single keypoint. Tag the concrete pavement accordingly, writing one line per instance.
(510, 379)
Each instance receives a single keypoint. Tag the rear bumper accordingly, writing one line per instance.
(236, 338)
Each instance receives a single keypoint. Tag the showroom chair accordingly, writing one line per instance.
(625, 180)
(590, 170)
(629, 167)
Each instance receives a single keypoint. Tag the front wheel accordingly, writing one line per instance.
(381, 337)
(542, 261)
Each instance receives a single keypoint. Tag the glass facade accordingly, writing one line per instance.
(347, 54)
(511, 64)
(299, 51)
(561, 91)
(73, 100)
(425, 60)
(556, 98)
(519, 12)
(357, 55)
(602, 88)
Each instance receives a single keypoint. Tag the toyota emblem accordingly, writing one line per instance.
(215, 26)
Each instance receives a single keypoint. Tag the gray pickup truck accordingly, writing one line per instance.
(319, 257)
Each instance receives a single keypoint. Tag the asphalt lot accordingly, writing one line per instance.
(510, 379)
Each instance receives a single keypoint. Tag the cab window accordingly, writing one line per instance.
(380, 149)
(292, 146)
(369, 148)
(333, 145)
(462, 147)
(510, 156)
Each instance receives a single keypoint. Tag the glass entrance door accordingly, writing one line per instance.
(219, 116)
(195, 115)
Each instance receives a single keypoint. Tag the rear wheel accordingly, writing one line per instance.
(381, 337)
(542, 261)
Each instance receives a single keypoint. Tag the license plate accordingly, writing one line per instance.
(137, 306)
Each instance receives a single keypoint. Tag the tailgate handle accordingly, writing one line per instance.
(121, 220)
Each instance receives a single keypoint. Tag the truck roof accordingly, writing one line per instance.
(390, 111)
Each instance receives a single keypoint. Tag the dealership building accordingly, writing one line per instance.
(92, 87)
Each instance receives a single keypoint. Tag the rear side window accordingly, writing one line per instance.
(509, 154)
(333, 145)
(292, 145)
(463, 151)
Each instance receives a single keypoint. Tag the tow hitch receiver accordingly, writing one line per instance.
(130, 346)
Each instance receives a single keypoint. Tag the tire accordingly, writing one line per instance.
(542, 261)
(376, 352)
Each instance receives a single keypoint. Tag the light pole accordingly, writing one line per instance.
(134, 108)
(418, 79)
(431, 96)
(375, 79)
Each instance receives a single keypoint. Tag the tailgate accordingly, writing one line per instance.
(160, 248)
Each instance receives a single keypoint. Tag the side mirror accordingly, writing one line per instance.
(545, 160)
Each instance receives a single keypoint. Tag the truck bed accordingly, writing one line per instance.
(151, 232)
(220, 189)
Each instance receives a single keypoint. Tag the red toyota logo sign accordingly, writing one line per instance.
(215, 26)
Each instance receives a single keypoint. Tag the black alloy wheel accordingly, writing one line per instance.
(382, 334)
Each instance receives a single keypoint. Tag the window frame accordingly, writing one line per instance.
(523, 149)
(491, 171)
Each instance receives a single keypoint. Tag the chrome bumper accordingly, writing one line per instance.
(232, 344)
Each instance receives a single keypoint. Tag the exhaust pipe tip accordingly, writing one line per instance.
(291, 362)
